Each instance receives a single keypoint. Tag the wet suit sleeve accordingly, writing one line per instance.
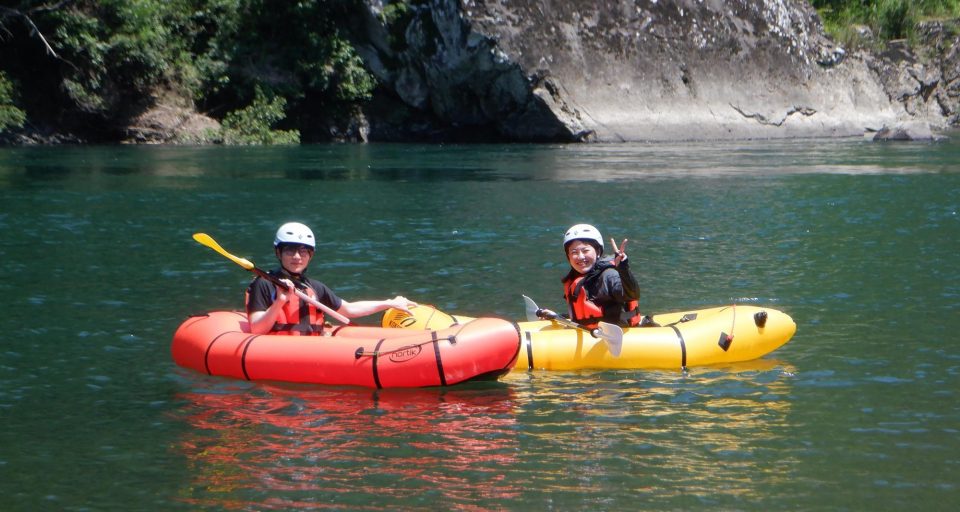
(620, 283)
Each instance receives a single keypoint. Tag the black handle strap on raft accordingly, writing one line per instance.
(529, 343)
(362, 352)
(439, 359)
(687, 317)
(683, 345)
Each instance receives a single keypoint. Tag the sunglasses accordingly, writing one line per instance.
(301, 250)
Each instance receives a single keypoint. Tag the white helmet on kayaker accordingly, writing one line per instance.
(584, 232)
(294, 233)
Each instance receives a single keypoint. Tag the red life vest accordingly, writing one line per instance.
(588, 314)
(298, 317)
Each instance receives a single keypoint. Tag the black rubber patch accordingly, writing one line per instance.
(760, 319)
(725, 341)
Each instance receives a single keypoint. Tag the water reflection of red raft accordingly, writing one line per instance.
(292, 447)
(218, 343)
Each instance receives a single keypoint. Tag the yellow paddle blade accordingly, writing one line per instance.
(205, 239)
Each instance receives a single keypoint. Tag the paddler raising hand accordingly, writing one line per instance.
(619, 254)
(598, 289)
(273, 309)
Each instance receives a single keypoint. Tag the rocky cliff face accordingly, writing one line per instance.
(628, 70)
(927, 87)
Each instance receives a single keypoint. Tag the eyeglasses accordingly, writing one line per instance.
(303, 251)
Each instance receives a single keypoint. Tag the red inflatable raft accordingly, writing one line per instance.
(217, 344)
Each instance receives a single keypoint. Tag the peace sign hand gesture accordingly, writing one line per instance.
(620, 254)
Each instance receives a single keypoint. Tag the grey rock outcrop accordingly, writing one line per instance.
(905, 131)
(451, 76)
(619, 70)
(926, 88)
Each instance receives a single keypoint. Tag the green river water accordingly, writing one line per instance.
(859, 242)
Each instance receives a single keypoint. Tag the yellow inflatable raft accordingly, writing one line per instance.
(700, 337)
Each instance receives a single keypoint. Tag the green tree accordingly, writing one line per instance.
(297, 50)
(107, 60)
(94, 62)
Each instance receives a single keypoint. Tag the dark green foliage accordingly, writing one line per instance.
(291, 49)
(117, 50)
(253, 124)
(10, 115)
(114, 57)
(396, 17)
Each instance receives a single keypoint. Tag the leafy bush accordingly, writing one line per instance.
(886, 19)
(10, 115)
(253, 124)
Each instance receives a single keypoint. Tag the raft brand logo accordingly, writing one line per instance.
(404, 354)
(401, 320)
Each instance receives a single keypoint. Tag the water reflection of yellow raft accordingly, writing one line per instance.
(690, 338)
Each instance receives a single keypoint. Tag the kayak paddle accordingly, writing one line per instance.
(611, 334)
(207, 240)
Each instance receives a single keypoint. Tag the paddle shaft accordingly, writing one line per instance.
(596, 333)
(207, 240)
(609, 333)
(303, 296)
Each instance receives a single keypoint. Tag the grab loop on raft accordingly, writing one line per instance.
(361, 352)
(727, 339)
(687, 317)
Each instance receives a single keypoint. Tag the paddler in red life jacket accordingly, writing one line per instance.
(275, 310)
(598, 289)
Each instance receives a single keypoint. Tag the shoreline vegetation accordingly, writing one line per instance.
(874, 23)
(250, 71)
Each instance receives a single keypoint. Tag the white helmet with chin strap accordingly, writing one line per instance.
(294, 233)
(584, 232)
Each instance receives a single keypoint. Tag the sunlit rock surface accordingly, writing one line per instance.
(540, 70)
